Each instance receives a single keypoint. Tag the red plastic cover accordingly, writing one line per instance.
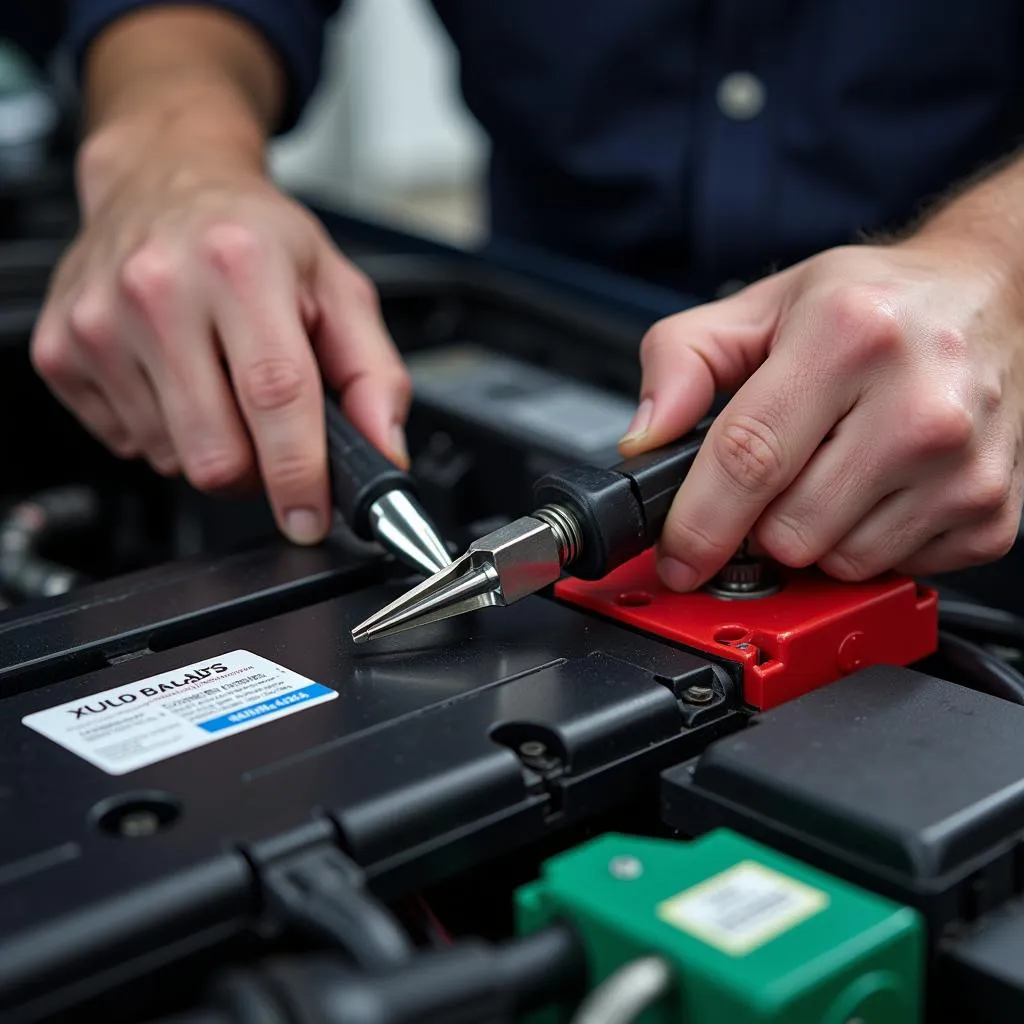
(809, 633)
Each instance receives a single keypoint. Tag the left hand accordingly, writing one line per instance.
(878, 422)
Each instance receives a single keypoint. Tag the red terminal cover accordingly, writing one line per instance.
(811, 632)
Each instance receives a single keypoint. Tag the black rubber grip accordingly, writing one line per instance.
(656, 477)
(609, 516)
(360, 474)
(621, 511)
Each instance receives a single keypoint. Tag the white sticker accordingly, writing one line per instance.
(141, 723)
(743, 908)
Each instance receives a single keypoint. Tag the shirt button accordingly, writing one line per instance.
(741, 96)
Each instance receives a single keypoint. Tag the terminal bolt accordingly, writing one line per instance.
(698, 695)
(744, 577)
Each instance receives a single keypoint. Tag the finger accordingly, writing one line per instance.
(54, 359)
(836, 490)
(965, 502)
(756, 447)
(97, 332)
(689, 358)
(965, 547)
(858, 466)
(95, 413)
(131, 394)
(897, 527)
(274, 374)
(205, 423)
(960, 520)
(359, 358)
(180, 354)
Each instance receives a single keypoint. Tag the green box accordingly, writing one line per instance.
(750, 934)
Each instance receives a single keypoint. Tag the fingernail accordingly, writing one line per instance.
(677, 575)
(641, 421)
(302, 525)
(398, 447)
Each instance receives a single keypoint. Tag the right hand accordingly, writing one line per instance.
(186, 324)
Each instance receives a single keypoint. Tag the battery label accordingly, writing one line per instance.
(141, 723)
(743, 908)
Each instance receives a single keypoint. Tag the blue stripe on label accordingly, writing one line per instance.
(265, 707)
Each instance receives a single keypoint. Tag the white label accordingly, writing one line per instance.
(141, 723)
(743, 908)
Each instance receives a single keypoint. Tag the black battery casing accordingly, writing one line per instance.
(897, 781)
(425, 765)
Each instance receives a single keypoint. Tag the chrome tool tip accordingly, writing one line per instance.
(362, 633)
(403, 528)
(465, 585)
(502, 567)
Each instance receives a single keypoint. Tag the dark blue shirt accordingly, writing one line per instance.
(697, 141)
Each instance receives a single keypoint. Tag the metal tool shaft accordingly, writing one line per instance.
(376, 498)
(589, 521)
(402, 527)
(566, 529)
(498, 569)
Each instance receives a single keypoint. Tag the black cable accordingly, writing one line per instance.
(321, 891)
(472, 982)
(980, 669)
(981, 624)
(542, 967)
(24, 573)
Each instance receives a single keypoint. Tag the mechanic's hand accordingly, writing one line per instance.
(187, 322)
(877, 422)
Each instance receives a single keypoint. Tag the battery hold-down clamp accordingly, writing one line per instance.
(791, 630)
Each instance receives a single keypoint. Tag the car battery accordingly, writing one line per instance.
(897, 781)
(141, 801)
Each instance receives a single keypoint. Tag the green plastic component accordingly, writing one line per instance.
(750, 935)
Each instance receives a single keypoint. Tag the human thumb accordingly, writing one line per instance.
(689, 358)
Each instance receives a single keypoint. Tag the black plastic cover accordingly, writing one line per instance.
(900, 782)
(980, 974)
(360, 474)
(418, 765)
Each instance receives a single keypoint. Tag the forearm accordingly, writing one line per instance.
(984, 223)
(190, 78)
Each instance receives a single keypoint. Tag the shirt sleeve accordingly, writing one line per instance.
(294, 28)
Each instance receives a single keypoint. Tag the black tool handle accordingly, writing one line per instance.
(621, 511)
(656, 478)
(360, 474)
